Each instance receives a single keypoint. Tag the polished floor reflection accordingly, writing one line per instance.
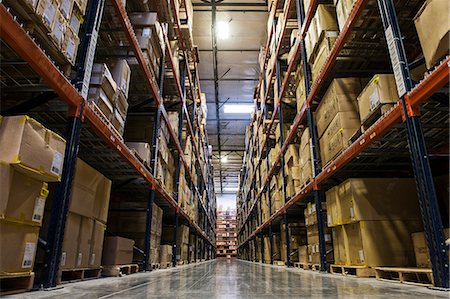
(235, 279)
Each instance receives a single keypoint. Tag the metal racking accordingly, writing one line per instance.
(409, 121)
(97, 141)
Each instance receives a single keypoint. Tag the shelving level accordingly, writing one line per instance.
(226, 235)
(301, 146)
(164, 108)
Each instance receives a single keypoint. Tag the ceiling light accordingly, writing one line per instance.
(238, 108)
(222, 29)
(224, 159)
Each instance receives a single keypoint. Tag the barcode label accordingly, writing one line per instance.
(57, 163)
(39, 205)
(28, 255)
(63, 259)
(79, 258)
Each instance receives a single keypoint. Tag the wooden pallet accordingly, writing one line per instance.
(279, 263)
(375, 115)
(415, 276)
(155, 266)
(166, 265)
(14, 284)
(179, 263)
(307, 266)
(356, 271)
(120, 270)
(72, 275)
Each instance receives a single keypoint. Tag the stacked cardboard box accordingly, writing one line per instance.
(297, 238)
(86, 220)
(109, 92)
(275, 248)
(321, 35)
(276, 192)
(300, 91)
(142, 150)
(380, 90)
(312, 230)
(305, 163)
(182, 241)
(117, 251)
(30, 156)
(165, 255)
(61, 20)
(343, 9)
(292, 168)
(433, 27)
(150, 36)
(421, 249)
(337, 116)
(372, 221)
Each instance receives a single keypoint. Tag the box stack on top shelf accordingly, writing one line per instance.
(353, 120)
(117, 146)
(226, 233)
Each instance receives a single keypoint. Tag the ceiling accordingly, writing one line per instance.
(237, 73)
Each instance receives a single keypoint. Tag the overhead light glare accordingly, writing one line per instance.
(238, 108)
(222, 29)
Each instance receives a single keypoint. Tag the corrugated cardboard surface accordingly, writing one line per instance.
(380, 243)
(421, 248)
(433, 27)
(31, 148)
(18, 244)
(117, 251)
(22, 198)
(381, 89)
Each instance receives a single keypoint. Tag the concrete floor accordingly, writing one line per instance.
(235, 279)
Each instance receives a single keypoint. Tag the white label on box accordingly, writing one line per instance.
(331, 33)
(124, 85)
(79, 258)
(65, 8)
(146, 32)
(70, 49)
(374, 99)
(329, 221)
(401, 88)
(63, 259)
(317, 248)
(361, 255)
(310, 258)
(58, 30)
(92, 260)
(57, 163)
(333, 231)
(327, 238)
(28, 255)
(49, 13)
(39, 205)
(352, 213)
(75, 23)
(306, 221)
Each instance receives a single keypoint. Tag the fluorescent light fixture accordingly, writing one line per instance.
(224, 159)
(223, 29)
(238, 108)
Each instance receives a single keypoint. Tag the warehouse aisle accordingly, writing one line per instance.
(234, 279)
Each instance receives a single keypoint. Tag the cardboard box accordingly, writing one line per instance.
(84, 242)
(98, 96)
(343, 9)
(276, 248)
(303, 254)
(118, 122)
(337, 233)
(65, 8)
(165, 254)
(31, 148)
(117, 251)
(421, 249)
(142, 149)
(340, 96)
(22, 199)
(335, 138)
(46, 10)
(58, 29)
(18, 244)
(319, 57)
(378, 199)
(380, 243)
(102, 77)
(433, 27)
(90, 192)
(69, 251)
(381, 89)
(69, 45)
(324, 20)
(121, 74)
(333, 207)
(96, 249)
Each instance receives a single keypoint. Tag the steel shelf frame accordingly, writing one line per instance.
(23, 44)
(406, 110)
